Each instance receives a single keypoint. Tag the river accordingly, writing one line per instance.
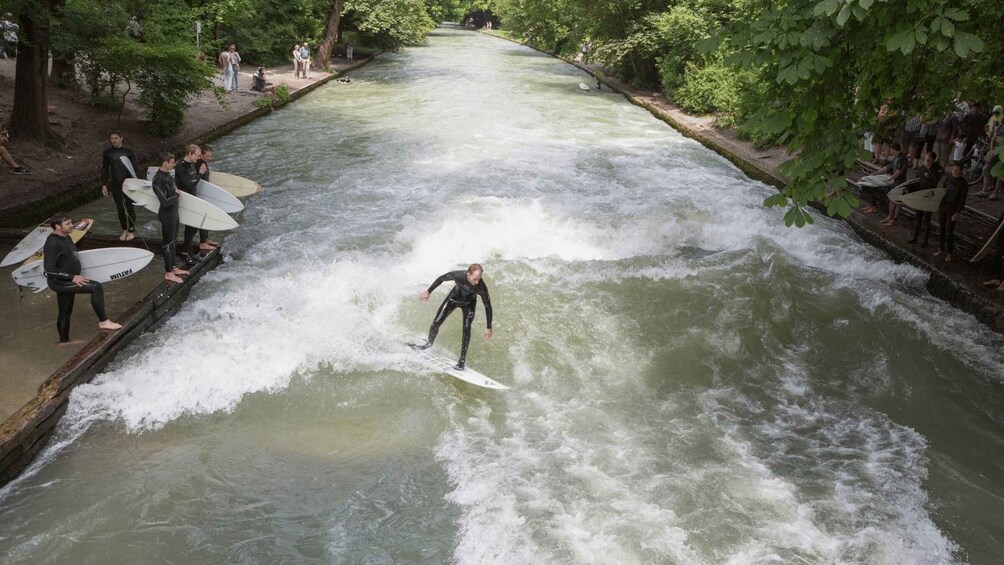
(692, 382)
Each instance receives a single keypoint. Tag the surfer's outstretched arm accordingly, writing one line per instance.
(425, 294)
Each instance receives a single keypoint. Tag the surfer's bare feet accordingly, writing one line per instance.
(207, 246)
(870, 210)
(171, 277)
(70, 343)
(109, 325)
(130, 236)
(178, 271)
(123, 236)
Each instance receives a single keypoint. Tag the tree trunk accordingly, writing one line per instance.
(63, 73)
(30, 112)
(330, 33)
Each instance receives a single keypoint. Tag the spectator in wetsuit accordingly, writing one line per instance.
(113, 173)
(948, 213)
(62, 273)
(206, 155)
(187, 174)
(468, 286)
(167, 193)
(929, 176)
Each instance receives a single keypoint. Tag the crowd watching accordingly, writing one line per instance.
(954, 150)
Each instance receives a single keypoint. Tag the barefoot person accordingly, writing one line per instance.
(113, 173)
(167, 193)
(205, 244)
(187, 175)
(62, 272)
(468, 286)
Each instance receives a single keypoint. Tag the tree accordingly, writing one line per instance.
(832, 63)
(30, 112)
(330, 33)
(390, 24)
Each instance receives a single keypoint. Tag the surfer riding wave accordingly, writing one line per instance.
(468, 286)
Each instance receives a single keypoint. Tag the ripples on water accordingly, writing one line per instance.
(692, 382)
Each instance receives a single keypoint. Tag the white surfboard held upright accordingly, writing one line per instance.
(102, 265)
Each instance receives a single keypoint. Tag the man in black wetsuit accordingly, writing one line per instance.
(468, 286)
(188, 174)
(205, 244)
(167, 193)
(113, 174)
(62, 272)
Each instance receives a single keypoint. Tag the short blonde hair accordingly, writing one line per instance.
(475, 267)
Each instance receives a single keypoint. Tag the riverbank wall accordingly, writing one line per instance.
(26, 433)
(956, 283)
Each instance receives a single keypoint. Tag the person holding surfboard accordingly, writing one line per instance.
(62, 274)
(113, 173)
(468, 285)
(206, 155)
(167, 193)
(187, 174)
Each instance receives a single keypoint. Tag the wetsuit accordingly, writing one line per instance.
(464, 296)
(113, 174)
(164, 188)
(929, 178)
(187, 176)
(203, 234)
(953, 203)
(60, 265)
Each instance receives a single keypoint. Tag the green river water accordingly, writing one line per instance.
(692, 382)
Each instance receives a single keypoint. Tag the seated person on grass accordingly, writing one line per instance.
(889, 176)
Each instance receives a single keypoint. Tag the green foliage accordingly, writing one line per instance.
(281, 98)
(263, 30)
(680, 29)
(161, 63)
(390, 24)
(706, 90)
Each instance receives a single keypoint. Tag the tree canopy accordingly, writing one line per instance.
(810, 74)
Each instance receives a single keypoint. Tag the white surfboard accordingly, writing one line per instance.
(468, 375)
(40, 234)
(218, 197)
(192, 210)
(31, 244)
(924, 200)
(989, 245)
(583, 86)
(238, 186)
(102, 265)
(128, 165)
(150, 171)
